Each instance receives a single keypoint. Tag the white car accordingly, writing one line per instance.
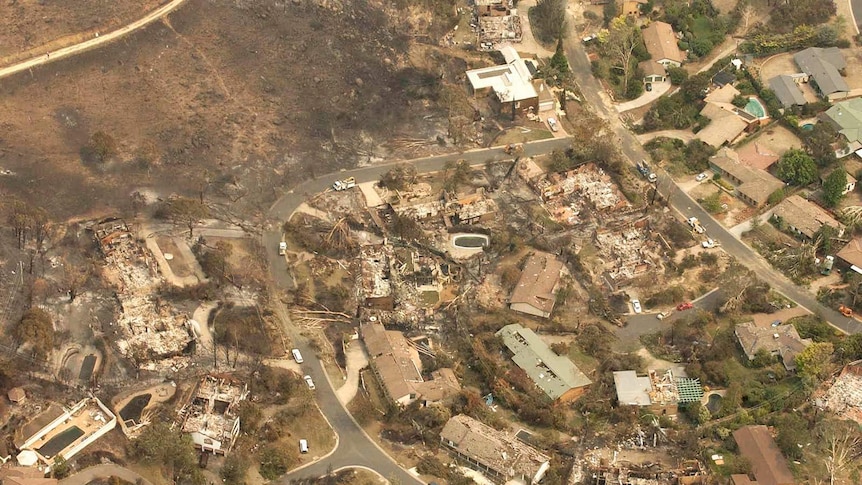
(282, 248)
(553, 124)
(661, 316)
(636, 305)
(590, 38)
(309, 382)
(303, 446)
(692, 221)
(708, 244)
(701, 177)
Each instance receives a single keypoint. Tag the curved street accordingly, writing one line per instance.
(354, 448)
(96, 472)
(92, 43)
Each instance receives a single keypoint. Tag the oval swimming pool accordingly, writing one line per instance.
(808, 126)
(471, 241)
(755, 108)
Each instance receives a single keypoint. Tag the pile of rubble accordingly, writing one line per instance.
(844, 397)
(626, 255)
(590, 183)
(496, 21)
(150, 328)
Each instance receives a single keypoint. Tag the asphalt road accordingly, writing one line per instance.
(355, 448)
(633, 150)
(856, 7)
(92, 43)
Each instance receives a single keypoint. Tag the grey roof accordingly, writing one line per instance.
(632, 390)
(723, 77)
(823, 66)
(786, 90)
(846, 116)
(552, 373)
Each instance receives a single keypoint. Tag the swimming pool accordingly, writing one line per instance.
(808, 126)
(755, 108)
(471, 241)
(59, 442)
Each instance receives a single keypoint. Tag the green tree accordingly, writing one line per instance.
(712, 203)
(620, 44)
(548, 20)
(818, 142)
(170, 449)
(739, 101)
(792, 431)
(558, 60)
(813, 362)
(834, 186)
(36, 329)
(677, 75)
(797, 167)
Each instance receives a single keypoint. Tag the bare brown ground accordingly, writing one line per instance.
(227, 95)
(32, 27)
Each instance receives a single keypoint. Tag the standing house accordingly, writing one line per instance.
(24, 475)
(534, 293)
(804, 218)
(554, 374)
(660, 42)
(752, 185)
(500, 456)
(823, 66)
(510, 84)
(782, 341)
(396, 363)
(846, 118)
(768, 464)
(786, 89)
(851, 255)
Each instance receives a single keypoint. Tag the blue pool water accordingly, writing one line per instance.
(754, 108)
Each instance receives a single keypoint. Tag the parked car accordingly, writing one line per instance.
(296, 356)
(684, 306)
(636, 305)
(303, 446)
(701, 177)
(553, 124)
(648, 87)
(309, 382)
(776, 323)
(709, 243)
(282, 248)
(661, 316)
(589, 38)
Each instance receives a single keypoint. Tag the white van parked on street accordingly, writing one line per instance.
(296, 356)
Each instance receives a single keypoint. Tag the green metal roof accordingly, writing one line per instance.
(689, 389)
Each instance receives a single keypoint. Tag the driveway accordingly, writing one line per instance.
(658, 89)
(683, 135)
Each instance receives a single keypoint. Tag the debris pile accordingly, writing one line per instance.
(210, 418)
(151, 328)
(566, 194)
(844, 398)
